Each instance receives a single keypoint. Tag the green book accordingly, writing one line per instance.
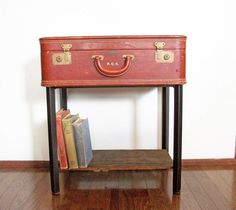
(82, 142)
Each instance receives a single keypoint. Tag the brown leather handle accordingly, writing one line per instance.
(112, 72)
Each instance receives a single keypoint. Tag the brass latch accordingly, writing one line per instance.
(63, 58)
(161, 55)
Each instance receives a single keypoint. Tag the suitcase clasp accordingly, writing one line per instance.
(62, 58)
(161, 55)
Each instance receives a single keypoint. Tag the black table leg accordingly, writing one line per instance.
(178, 108)
(63, 98)
(165, 118)
(54, 173)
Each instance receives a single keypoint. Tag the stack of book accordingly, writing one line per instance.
(73, 139)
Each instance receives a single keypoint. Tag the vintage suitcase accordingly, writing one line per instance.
(113, 61)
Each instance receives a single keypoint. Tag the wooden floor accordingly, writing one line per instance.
(202, 188)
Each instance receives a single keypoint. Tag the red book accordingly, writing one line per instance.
(60, 138)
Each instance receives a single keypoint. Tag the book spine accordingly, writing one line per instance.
(70, 145)
(87, 142)
(79, 145)
(61, 143)
(83, 143)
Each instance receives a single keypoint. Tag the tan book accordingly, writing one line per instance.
(69, 140)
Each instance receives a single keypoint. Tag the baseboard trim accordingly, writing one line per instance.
(209, 162)
(44, 164)
(23, 164)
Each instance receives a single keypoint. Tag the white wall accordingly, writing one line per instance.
(120, 118)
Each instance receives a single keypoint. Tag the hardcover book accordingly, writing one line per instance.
(60, 115)
(82, 142)
(69, 140)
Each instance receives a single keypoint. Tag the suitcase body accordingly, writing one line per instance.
(113, 61)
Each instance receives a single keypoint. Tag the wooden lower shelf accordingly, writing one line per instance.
(104, 160)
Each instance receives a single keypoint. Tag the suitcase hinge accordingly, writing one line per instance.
(161, 55)
(62, 58)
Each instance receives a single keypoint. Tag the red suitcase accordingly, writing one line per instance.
(113, 61)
